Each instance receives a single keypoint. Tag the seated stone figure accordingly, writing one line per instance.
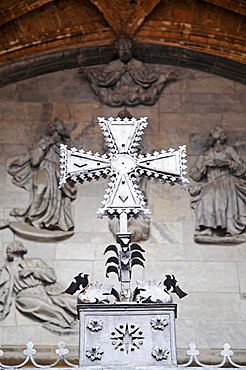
(39, 173)
(219, 198)
(37, 294)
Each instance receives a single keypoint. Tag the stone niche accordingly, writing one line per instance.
(213, 275)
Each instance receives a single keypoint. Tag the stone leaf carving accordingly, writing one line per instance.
(219, 197)
(39, 172)
(37, 294)
(151, 291)
(126, 80)
(96, 293)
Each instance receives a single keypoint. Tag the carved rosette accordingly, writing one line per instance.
(158, 323)
(95, 353)
(95, 325)
(160, 353)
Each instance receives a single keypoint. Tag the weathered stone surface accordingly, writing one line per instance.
(212, 85)
(212, 328)
(170, 103)
(212, 275)
(241, 278)
(17, 335)
(228, 120)
(65, 275)
(211, 103)
(210, 252)
(201, 307)
(211, 278)
(85, 251)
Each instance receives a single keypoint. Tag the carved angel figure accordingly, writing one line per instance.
(39, 172)
(37, 294)
(219, 198)
(126, 81)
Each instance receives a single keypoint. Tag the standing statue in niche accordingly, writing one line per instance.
(37, 294)
(220, 196)
(126, 81)
(38, 172)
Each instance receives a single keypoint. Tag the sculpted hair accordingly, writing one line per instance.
(15, 247)
(216, 133)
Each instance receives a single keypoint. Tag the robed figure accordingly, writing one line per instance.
(219, 198)
(37, 294)
(39, 172)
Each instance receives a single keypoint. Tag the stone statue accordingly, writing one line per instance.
(38, 172)
(126, 81)
(219, 198)
(37, 294)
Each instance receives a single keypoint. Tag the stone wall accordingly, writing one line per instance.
(214, 312)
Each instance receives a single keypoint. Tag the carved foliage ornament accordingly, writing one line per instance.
(160, 353)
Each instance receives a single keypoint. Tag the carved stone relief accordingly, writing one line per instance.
(160, 353)
(49, 208)
(219, 197)
(37, 294)
(94, 353)
(126, 80)
(127, 338)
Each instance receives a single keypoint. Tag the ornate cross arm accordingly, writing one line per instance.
(123, 166)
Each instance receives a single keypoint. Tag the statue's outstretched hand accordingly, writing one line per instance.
(26, 272)
(171, 75)
(222, 162)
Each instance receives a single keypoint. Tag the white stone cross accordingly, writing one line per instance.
(123, 166)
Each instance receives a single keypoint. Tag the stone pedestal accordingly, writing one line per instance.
(127, 335)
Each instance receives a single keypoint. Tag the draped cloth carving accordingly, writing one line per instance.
(38, 172)
(126, 80)
(37, 294)
(219, 198)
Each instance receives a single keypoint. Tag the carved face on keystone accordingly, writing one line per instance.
(123, 46)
